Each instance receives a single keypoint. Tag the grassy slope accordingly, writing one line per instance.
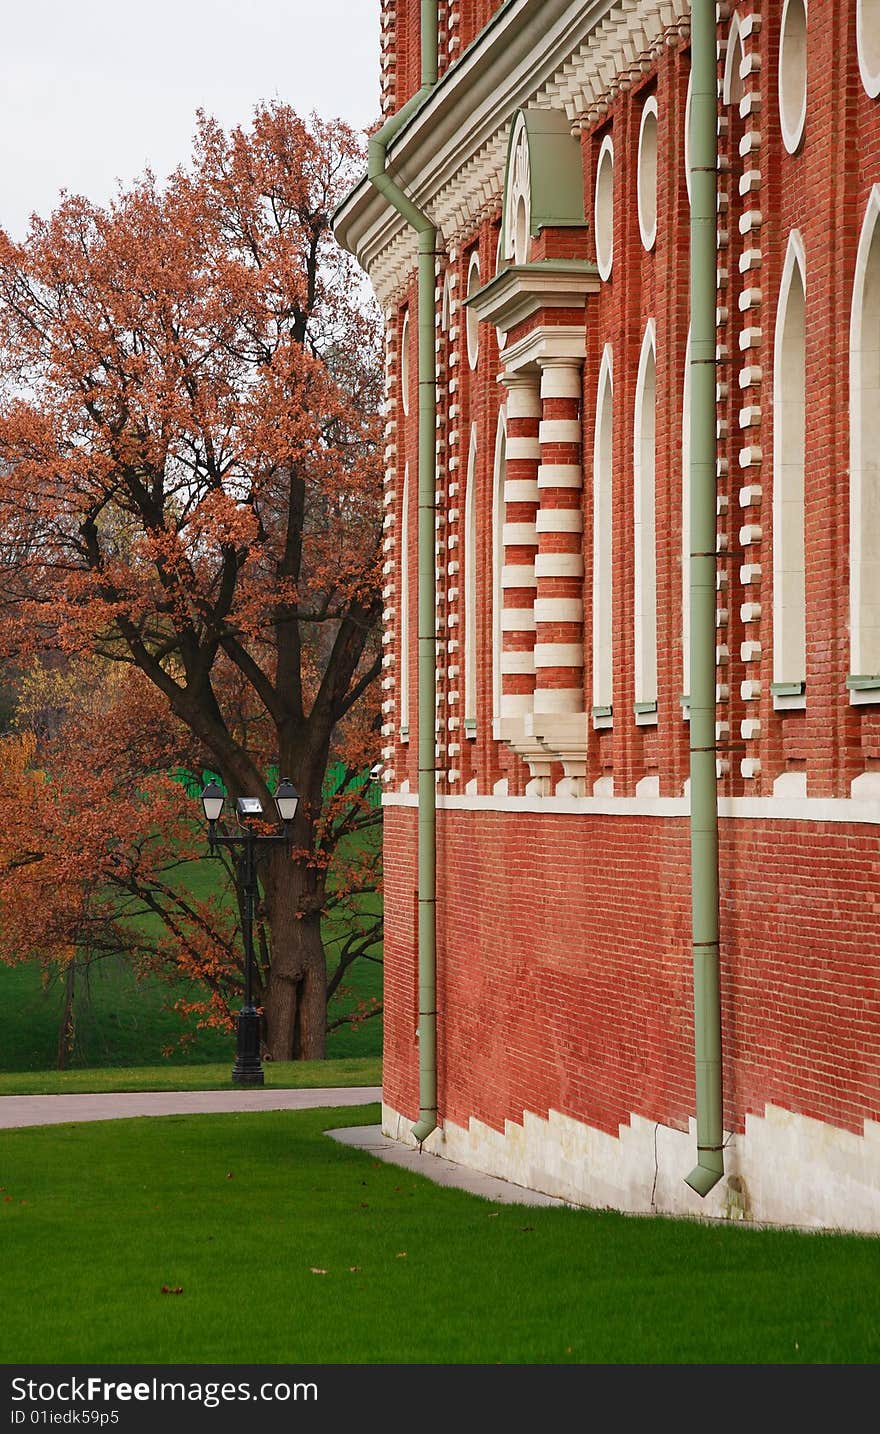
(280, 1075)
(414, 1273)
(123, 1021)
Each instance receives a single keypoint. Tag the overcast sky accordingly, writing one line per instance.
(92, 91)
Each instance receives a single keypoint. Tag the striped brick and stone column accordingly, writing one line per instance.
(559, 716)
(520, 542)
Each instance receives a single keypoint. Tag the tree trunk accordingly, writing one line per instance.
(65, 1030)
(295, 1003)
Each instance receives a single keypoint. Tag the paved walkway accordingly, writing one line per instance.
(17, 1110)
(438, 1169)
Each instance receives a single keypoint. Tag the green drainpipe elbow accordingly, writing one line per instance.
(427, 621)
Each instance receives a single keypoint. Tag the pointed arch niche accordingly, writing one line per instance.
(732, 88)
(645, 551)
(498, 556)
(864, 499)
(686, 524)
(403, 687)
(603, 639)
(470, 589)
(789, 413)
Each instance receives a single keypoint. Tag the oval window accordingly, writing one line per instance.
(604, 208)
(647, 176)
(793, 73)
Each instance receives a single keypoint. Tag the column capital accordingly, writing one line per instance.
(528, 378)
(524, 393)
(561, 377)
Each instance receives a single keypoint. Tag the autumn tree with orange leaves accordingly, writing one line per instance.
(190, 494)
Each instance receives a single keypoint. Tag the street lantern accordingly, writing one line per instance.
(286, 800)
(248, 1067)
(212, 801)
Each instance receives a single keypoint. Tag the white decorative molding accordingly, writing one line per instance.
(857, 810)
(520, 291)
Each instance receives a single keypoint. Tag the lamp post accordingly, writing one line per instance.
(248, 1067)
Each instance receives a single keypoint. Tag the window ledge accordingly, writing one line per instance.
(603, 718)
(646, 714)
(863, 689)
(788, 696)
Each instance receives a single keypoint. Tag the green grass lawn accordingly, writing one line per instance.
(280, 1075)
(292, 1249)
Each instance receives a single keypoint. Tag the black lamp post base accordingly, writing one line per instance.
(248, 1068)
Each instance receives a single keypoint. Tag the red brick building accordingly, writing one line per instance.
(551, 158)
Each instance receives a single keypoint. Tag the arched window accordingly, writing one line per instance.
(864, 504)
(603, 640)
(403, 570)
(647, 173)
(645, 606)
(603, 209)
(404, 363)
(472, 323)
(498, 557)
(687, 135)
(789, 409)
(470, 586)
(686, 523)
(793, 73)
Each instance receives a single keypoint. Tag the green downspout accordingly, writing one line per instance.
(427, 627)
(704, 788)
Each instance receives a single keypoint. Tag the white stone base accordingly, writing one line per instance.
(786, 1169)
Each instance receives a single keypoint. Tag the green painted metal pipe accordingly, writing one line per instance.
(427, 621)
(704, 786)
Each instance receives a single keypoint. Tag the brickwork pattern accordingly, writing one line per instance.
(554, 989)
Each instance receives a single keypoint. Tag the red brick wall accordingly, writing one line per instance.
(564, 969)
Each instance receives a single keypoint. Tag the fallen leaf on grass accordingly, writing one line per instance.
(172, 1289)
(526, 1229)
(354, 1269)
(401, 1255)
(316, 1271)
(493, 1214)
(229, 1175)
